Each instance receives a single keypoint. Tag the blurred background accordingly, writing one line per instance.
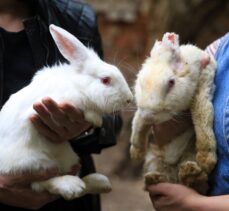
(129, 29)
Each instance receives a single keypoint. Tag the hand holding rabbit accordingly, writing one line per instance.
(15, 190)
(58, 122)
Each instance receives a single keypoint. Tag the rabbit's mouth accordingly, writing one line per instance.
(155, 117)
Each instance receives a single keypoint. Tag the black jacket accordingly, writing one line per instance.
(80, 20)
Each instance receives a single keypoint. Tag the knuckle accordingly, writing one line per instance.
(64, 134)
(67, 108)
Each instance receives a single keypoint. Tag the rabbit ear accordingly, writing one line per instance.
(157, 45)
(171, 39)
(69, 46)
(205, 61)
(168, 50)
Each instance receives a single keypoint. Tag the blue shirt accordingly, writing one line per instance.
(219, 179)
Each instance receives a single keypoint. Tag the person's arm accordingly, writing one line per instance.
(170, 197)
(213, 47)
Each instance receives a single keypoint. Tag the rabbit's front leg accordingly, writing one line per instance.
(205, 139)
(139, 137)
(202, 115)
(94, 118)
(69, 187)
(155, 169)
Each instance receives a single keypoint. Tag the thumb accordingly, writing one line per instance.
(158, 189)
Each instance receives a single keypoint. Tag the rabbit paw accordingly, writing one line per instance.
(136, 153)
(206, 160)
(69, 187)
(154, 178)
(191, 175)
(97, 183)
(94, 118)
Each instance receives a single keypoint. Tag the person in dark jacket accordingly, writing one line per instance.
(25, 47)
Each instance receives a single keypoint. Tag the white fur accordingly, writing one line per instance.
(22, 148)
(175, 149)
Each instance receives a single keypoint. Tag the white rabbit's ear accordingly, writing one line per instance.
(69, 46)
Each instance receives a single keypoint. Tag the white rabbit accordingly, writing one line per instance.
(89, 83)
(172, 80)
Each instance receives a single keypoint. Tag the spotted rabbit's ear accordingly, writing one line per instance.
(171, 39)
(69, 46)
(169, 42)
(156, 47)
(205, 60)
(167, 50)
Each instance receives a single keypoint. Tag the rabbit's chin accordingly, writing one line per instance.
(155, 117)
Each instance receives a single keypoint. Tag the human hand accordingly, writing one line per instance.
(166, 131)
(15, 189)
(58, 122)
(170, 197)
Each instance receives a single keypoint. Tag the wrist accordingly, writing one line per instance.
(196, 203)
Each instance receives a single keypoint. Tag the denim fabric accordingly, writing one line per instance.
(219, 179)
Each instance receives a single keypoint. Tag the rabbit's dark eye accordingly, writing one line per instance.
(170, 85)
(106, 80)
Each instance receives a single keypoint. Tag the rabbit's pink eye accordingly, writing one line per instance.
(106, 80)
